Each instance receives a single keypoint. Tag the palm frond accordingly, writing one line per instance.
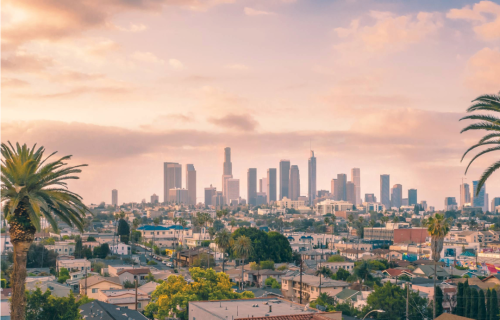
(480, 154)
(481, 126)
(479, 145)
(486, 174)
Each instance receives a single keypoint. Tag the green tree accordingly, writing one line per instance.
(438, 227)
(494, 305)
(488, 304)
(128, 284)
(242, 247)
(173, 295)
(459, 310)
(123, 230)
(468, 301)
(439, 301)
(273, 283)
(102, 251)
(33, 187)
(282, 251)
(490, 123)
(91, 239)
(39, 257)
(63, 275)
(78, 248)
(474, 304)
(481, 311)
(336, 258)
(341, 274)
(45, 306)
(223, 241)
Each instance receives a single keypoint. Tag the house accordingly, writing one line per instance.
(149, 287)
(38, 271)
(335, 266)
(131, 275)
(62, 247)
(259, 276)
(492, 280)
(313, 255)
(92, 285)
(73, 264)
(290, 286)
(125, 298)
(121, 249)
(347, 295)
(98, 310)
(428, 272)
(187, 257)
(74, 281)
(387, 254)
(396, 273)
(114, 270)
(352, 254)
(56, 289)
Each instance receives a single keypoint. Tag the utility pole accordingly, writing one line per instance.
(407, 301)
(136, 294)
(300, 288)
(86, 282)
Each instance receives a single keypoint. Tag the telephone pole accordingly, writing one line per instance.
(136, 294)
(86, 281)
(407, 301)
(300, 288)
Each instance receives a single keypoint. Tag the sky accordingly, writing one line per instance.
(125, 85)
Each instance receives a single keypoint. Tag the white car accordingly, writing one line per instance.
(170, 264)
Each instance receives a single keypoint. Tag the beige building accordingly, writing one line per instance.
(114, 270)
(62, 247)
(290, 204)
(330, 206)
(335, 266)
(131, 275)
(73, 264)
(349, 245)
(290, 287)
(151, 214)
(124, 298)
(93, 285)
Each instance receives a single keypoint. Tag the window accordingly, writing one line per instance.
(139, 305)
(94, 290)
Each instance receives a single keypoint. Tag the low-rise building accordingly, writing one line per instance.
(121, 249)
(125, 298)
(335, 266)
(290, 286)
(114, 270)
(131, 275)
(97, 310)
(62, 247)
(91, 286)
(73, 264)
(56, 289)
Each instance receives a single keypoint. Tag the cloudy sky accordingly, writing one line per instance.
(124, 85)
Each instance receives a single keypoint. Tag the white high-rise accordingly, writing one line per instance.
(232, 190)
(356, 179)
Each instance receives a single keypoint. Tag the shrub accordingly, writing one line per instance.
(152, 263)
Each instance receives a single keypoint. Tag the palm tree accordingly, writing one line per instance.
(33, 187)
(183, 224)
(361, 221)
(350, 218)
(175, 220)
(384, 220)
(242, 247)
(117, 217)
(223, 241)
(211, 234)
(487, 102)
(232, 223)
(438, 227)
(156, 222)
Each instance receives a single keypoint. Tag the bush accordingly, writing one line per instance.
(97, 266)
(127, 285)
(282, 268)
(152, 263)
(63, 275)
(336, 258)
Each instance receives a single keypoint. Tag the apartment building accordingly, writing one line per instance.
(290, 287)
(335, 266)
(62, 247)
(131, 275)
(73, 264)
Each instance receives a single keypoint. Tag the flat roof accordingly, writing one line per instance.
(248, 308)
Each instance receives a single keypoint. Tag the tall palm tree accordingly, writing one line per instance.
(242, 247)
(117, 217)
(438, 227)
(223, 241)
(361, 221)
(183, 224)
(211, 235)
(490, 123)
(384, 220)
(33, 187)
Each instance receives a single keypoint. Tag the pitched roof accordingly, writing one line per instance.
(106, 311)
(448, 316)
(306, 316)
(347, 293)
(97, 279)
(396, 272)
(429, 270)
(135, 271)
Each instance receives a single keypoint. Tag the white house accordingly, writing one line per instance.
(121, 249)
(131, 275)
(74, 264)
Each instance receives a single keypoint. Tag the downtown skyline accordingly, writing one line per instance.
(380, 86)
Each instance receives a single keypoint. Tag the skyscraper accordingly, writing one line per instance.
(294, 189)
(252, 186)
(232, 190)
(114, 197)
(155, 199)
(397, 196)
(263, 185)
(271, 185)
(172, 178)
(412, 197)
(350, 192)
(385, 197)
(191, 183)
(370, 197)
(227, 172)
(494, 203)
(356, 179)
(464, 194)
(340, 187)
(332, 187)
(311, 187)
(480, 199)
(284, 179)
(209, 193)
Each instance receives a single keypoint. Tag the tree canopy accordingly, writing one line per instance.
(266, 245)
(45, 306)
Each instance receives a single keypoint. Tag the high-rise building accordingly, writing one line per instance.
(385, 195)
(464, 194)
(209, 193)
(397, 196)
(370, 197)
(412, 197)
(450, 203)
(350, 192)
(487, 203)
(405, 202)
(311, 186)
(294, 189)
(252, 186)
(155, 199)
(114, 197)
(340, 187)
(227, 172)
(284, 179)
(263, 185)
(191, 183)
(423, 205)
(232, 190)
(178, 195)
(480, 199)
(495, 202)
(332, 187)
(261, 198)
(172, 178)
(218, 199)
(356, 179)
(271, 185)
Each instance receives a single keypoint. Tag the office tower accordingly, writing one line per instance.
(232, 190)
(464, 194)
(397, 196)
(423, 205)
(412, 197)
(370, 197)
(261, 198)
(450, 203)
(284, 179)
(332, 187)
(311, 185)
(191, 183)
(114, 197)
(155, 199)
(322, 194)
(252, 186)
(294, 189)
(218, 199)
(356, 179)
(486, 202)
(340, 187)
(178, 195)
(385, 198)
(405, 202)
(350, 192)
(209, 193)
(263, 185)
(271, 185)
(172, 178)
(479, 200)
(227, 169)
(495, 202)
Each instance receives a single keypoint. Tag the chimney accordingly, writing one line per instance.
(270, 308)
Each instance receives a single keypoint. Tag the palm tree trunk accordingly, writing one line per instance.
(18, 304)
(242, 281)
(434, 298)
(223, 259)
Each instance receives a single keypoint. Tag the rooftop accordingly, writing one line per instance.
(314, 281)
(105, 311)
(135, 271)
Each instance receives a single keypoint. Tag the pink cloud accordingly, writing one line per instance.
(485, 16)
(483, 70)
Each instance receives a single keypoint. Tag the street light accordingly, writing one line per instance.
(379, 311)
